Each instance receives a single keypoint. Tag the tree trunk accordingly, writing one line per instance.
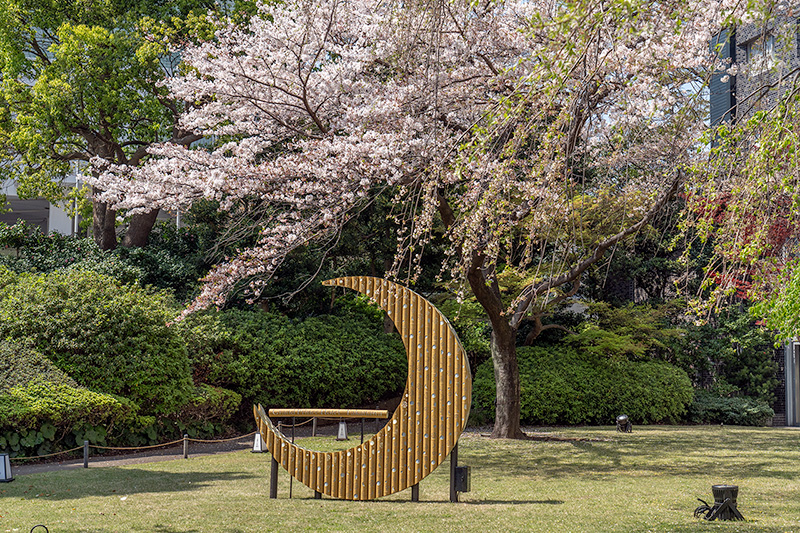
(103, 223)
(506, 377)
(139, 229)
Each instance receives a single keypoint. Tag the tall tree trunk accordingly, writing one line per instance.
(103, 223)
(504, 352)
(139, 229)
(506, 378)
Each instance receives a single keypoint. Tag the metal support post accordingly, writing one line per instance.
(273, 479)
(185, 446)
(362, 431)
(86, 454)
(453, 465)
(314, 427)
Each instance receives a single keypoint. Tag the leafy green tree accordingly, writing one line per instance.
(80, 84)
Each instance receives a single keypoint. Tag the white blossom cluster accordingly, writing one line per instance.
(315, 103)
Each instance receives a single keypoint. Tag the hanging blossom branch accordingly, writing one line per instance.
(314, 104)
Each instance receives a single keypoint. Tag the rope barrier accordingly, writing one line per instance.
(297, 425)
(135, 447)
(222, 440)
(48, 455)
(130, 448)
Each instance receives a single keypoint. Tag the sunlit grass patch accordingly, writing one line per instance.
(593, 479)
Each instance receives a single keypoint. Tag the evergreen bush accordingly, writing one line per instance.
(327, 361)
(711, 408)
(560, 385)
(107, 336)
(20, 364)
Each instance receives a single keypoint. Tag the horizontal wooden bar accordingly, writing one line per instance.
(333, 413)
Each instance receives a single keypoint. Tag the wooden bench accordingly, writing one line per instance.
(341, 414)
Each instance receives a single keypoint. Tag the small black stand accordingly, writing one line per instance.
(453, 466)
(273, 479)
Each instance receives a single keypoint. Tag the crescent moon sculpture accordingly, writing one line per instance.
(422, 431)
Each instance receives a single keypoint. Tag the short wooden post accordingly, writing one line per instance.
(453, 465)
(86, 454)
(314, 427)
(273, 479)
(185, 446)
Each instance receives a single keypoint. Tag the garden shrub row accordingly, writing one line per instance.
(327, 361)
(711, 408)
(95, 358)
(562, 385)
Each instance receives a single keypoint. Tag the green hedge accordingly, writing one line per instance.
(107, 336)
(560, 385)
(20, 364)
(710, 408)
(27, 406)
(326, 361)
(41, 417)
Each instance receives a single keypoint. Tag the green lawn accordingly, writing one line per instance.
(645, 481)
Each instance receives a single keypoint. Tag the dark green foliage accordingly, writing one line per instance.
(634, 332)
(566, 386)
(711, 408)
(20, 364)
(730, 354)
(326, 361)
(210, 403)
(173, 259)
(109, 337)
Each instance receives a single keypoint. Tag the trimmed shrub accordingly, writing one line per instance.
(107, 336)
(210, 404)
(326, 361)
(27, 406)
(20, 364)
(710, 408)
(560, 385)
(172, 259)
(39, 417)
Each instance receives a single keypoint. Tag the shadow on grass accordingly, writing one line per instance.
(600, 460)
(71, 485)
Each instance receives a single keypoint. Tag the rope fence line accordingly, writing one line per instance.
(86, 447)
(134, 447)
(47, 455)
(222, 440)
(185, 440)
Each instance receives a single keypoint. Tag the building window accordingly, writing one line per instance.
(761, 52)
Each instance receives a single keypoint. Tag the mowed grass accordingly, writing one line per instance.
(645, 481)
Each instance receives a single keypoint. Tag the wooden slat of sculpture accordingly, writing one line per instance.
(422, 431)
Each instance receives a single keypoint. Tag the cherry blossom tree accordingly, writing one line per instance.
(540, 134)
